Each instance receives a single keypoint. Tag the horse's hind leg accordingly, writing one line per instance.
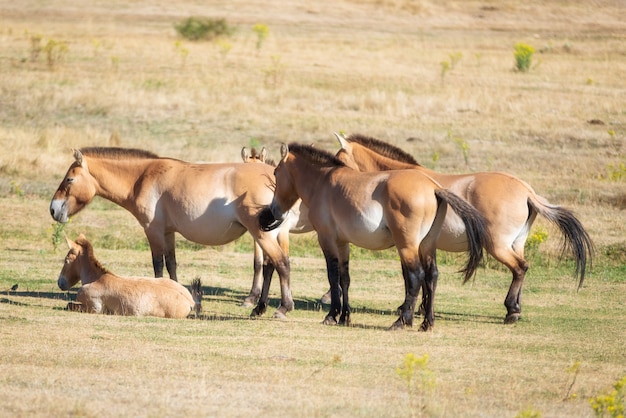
(518, 266)
(428, 292)
(414, 276)
(170, 255)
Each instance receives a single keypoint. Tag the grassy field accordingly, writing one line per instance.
(435, 78)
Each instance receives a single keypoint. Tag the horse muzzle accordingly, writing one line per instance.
(63, 283)
(58, 210)
(267, 220)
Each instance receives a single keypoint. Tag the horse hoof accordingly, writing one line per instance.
(256, 312)
(329, 320)
(512, 318)
(426, 327)
(247, 304)
(279, 315)
(397, 326)
(345, 322)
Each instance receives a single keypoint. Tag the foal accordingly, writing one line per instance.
(105, 292)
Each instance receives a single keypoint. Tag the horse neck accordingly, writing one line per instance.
(90, 268)
(115, 179)
(306, 177)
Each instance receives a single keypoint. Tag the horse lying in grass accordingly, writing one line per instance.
(105, 292)
(508, 204)
(405, 209)
(210, 204)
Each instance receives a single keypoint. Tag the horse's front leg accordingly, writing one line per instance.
(332, 269)
(156, 240)
(268, 271)
(257, 278)
(280, 261)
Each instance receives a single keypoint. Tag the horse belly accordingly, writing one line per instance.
(215, 226)
(366, 229)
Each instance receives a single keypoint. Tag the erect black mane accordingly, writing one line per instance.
(117, 153)
(315, 155)
(383, 148)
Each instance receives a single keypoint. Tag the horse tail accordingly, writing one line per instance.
(576, 240)
(196, 294)
(475, 228)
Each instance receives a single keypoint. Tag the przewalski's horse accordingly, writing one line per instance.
(210, 204)
(105, 292)
(374, 211)
(508, 204)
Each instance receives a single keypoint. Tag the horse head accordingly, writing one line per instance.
(75, 191)
(285, 194)
(70, 273)
(254, 156)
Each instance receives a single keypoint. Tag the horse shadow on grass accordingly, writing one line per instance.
(234, 296)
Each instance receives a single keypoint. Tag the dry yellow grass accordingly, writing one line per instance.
(368, 66)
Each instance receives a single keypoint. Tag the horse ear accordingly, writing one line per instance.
(342, 141)
(69, 243)
(78, 156)
(263, 155)
(244, 154)
(284, 152)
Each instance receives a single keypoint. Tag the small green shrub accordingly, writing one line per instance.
(200, 28)
(523, 56)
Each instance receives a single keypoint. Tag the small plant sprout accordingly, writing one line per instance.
(435, 158)
(610, 404)
(35, 47)
(115, 62)
(455, 57)
(261, 31)
(16, 189)
(573, 371)
(464, 146)
(55, 52)
(224, 48)
(419, 379)
(523, 56)
(183, 52)
(445, 67)
(274, 72)
(528, 413)
(58, 234)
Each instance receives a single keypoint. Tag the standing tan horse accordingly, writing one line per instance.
(105, 292)
(210, 204)
(508, 204)
(374, 211)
